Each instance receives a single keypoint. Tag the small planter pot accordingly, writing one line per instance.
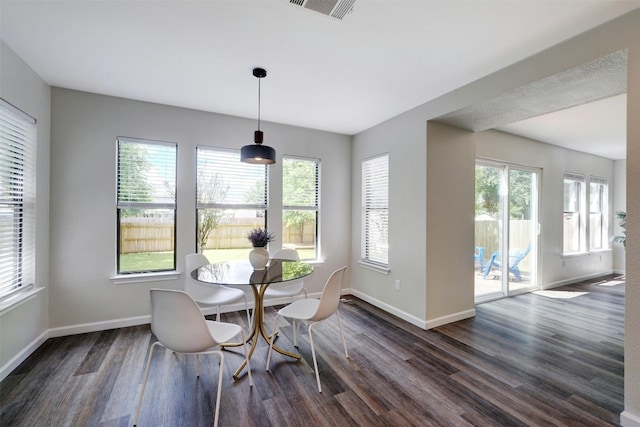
(259, 257)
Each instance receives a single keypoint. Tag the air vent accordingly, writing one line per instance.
(334, 8)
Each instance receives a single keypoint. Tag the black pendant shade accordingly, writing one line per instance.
(258, 153)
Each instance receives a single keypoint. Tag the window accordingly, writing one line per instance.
(375, 211)
(598, 203)
(300, 178)
(231, 199)
(573, 216)
(17, 199)
(146, 206)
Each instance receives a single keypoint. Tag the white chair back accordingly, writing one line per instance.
(177, 322)
(330, 298)
(287, 254)
(197, 290)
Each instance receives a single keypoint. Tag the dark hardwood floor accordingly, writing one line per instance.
(530, 360)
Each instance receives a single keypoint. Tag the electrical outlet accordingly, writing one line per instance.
(397, 284)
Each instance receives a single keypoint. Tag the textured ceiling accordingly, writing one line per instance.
(600, 79)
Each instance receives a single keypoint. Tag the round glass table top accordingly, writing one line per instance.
(241, 272)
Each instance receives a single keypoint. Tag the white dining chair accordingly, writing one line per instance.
(210, 295)
(314, 311)
(179, 326)
(286, 289)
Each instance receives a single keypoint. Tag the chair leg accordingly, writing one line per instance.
(198, 365)
(295, 325)
(344, 343)
(217, 414)
(218, 316)
(144, 383)
(246, 358)
(275, 328)
(516, 272)
(315, 362)
(246, 307)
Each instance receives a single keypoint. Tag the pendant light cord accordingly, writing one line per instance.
(259, 102)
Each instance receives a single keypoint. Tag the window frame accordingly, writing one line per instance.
(579, 181)
(603, 212)
(146, 205)
(313, 207)
(377, 258)
(233, 162)
(18, 141)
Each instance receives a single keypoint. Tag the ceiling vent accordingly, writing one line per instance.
(334, 8)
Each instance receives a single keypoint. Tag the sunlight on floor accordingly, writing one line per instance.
(560, 294)
(611, 283)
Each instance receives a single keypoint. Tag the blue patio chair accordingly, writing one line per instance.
(478, 256)
(515, 257)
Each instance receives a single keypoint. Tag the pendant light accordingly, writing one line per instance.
(258, 153)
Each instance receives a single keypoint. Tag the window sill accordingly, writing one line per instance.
(579, 254)
(125, 279)
(599, 251)
(374, 267)
(20, 297)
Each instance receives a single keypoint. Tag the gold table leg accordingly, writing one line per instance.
(257, 330)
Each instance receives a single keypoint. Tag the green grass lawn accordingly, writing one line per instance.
(148, 261)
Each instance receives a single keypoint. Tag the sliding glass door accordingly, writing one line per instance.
(506, 229)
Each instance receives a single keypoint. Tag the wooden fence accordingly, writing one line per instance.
(157, 236)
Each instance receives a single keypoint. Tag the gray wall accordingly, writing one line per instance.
(83, 187)
(23, 327)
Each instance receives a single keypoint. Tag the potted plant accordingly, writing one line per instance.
(259, 257)
(259, 237)
(622, 217)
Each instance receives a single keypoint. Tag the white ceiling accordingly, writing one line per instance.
(345, 76)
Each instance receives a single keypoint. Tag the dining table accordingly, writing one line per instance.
(240, 274)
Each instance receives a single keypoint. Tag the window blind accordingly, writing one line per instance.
(225, 182)
(146, 173)
(375, 197)
(17, 199)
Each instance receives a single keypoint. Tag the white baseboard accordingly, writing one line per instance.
(22, 356)
(575, 279)
(429, 324)
(389, 309)
(433, 323)
(98, 326)
(627, 419)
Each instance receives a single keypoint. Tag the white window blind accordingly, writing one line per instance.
(226, 182)
(17, 199)
(146, 204)
(300, 199)
(375, 210)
